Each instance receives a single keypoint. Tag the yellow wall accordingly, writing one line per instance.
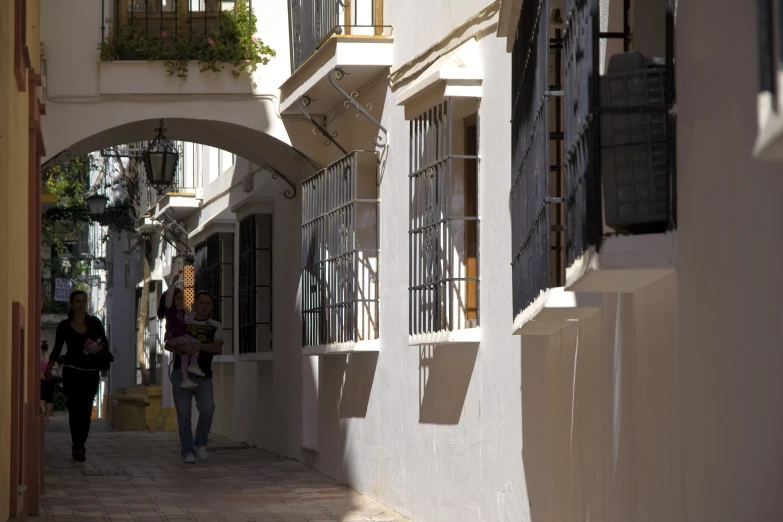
(13, 210)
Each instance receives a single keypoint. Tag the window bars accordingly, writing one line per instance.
(340, 252)
(167, 20)
(443, 235)
(209, 271)
(255, 284)
(536, 181)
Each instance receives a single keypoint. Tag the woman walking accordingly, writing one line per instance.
(87, 354)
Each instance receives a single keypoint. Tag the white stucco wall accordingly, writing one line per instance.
(729, 271)
(91, 103)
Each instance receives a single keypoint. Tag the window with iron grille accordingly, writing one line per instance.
(255, 284)
(214, 272)
(537, 221)
(443, 221)
(340, 252)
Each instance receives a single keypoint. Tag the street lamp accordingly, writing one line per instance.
(160, 159)
(97, 204)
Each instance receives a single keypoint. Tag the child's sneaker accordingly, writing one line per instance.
(188, 385)
(195, 370)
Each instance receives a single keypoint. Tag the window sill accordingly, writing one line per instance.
(339, 348)
(464, 336)
(554, 310)
(769, 138)
(245, 357)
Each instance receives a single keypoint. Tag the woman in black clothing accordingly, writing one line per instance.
(85, 338)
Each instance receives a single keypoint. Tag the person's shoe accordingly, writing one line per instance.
(79, 456)
(190, 458)
(202, 452)
(188, 385)
(195, 370)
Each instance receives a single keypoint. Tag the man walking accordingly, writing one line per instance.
(209, 333)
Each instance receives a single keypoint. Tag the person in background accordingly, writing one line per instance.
(209, 334)
(47, 386)
(172, 307)
(85, 339)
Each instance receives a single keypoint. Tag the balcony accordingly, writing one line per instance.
(331, 35)
(181, 38)
(593, 194)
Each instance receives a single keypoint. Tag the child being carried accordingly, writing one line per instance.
(172, 307)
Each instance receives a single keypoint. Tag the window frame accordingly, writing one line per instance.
(250, 245)
(433, 298)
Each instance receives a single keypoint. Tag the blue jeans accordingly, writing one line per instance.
(183, 402)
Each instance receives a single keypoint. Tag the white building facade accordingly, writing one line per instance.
(464, 253)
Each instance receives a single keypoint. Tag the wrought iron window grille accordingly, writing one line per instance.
(340, 301)
(255, 284)
(210, 267)
(443, 225)
(536, 173)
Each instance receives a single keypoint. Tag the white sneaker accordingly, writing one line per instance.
(188, 385)
(202, 452)
(195, 370)
(190, 458)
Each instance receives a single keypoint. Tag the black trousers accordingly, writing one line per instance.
(80, 389)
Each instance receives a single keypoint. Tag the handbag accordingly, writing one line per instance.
(56, 375)
(103, 360)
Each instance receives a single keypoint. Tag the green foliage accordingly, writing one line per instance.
(229, 41)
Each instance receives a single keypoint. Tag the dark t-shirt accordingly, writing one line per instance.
(205, 331)
(74, 342)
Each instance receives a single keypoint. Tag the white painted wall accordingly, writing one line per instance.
(89, 102)
(729, 271)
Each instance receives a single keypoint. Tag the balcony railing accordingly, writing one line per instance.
(142, 29)
(312, 22)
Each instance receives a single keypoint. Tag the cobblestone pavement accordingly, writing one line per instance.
(140, 476)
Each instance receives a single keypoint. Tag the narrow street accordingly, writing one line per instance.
(139, 476)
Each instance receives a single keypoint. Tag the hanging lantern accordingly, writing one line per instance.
(160, 159)
(97, 204)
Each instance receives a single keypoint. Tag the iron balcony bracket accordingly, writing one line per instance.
(289, 193)
(303, 102)
(167, 228)
(338, 74)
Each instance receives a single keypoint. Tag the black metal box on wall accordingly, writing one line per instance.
(637, 144)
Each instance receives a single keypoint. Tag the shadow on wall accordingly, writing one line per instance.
(444, 378)
(600, 413)
(358, 371)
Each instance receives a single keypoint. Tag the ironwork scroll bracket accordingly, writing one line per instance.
(163, 235)
(338, 74)
(56, 160)
(303, 102)
(288, 193)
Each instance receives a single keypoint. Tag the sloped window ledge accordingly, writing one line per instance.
(341, 348)
(624, 264)
(444, 337)
(769, 139)
(554, 310)
(458, 76)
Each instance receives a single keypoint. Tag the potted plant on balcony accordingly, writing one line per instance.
(228, 41)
